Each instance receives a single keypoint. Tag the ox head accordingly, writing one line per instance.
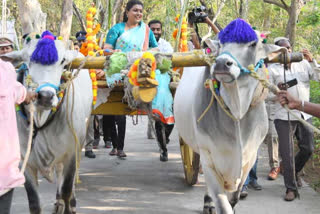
(239, 47)
(45, 58)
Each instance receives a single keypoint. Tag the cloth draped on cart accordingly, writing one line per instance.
(162, 103)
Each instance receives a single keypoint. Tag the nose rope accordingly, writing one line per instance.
(243, 70)
(209, 83)
(47, 85)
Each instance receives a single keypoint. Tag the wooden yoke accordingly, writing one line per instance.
(185, 59)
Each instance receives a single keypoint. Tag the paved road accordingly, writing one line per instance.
(142, 184)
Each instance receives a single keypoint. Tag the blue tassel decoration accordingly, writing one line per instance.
(237, 31)
(46, 52)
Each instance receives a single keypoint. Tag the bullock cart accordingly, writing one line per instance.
(115, 105)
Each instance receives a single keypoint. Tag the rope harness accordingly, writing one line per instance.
(252, 71)
(212, 85)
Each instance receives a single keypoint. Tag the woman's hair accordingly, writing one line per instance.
(130, 4)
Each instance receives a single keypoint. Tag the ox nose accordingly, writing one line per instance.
(45, 98)
(223, 65)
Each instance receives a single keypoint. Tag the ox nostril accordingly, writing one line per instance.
(229, 63)
(45, 95)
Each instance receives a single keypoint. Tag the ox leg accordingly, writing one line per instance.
(234, 197)
(215, 189)
(31, 186)
(208, 207)
(68, 186)
(73, 202)
(59, 204)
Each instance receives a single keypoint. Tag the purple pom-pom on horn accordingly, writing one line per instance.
(46, 52)
(237, 31)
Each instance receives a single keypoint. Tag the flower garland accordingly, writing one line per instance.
(91, 46)
(133, 73)
(183, 42)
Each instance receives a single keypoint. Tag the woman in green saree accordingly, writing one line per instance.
(130, 35)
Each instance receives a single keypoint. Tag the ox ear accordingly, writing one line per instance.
(214, 45)
(266, 50)
(70, 55)
(15, 57)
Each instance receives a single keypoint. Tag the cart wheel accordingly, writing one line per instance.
(191, 162)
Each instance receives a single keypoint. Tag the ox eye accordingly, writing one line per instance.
(63, 60)
(253, 44)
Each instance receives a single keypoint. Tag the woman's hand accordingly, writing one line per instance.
(31, 96)
(109, 48)
(100, 74)
(286, 99)
(154, 49)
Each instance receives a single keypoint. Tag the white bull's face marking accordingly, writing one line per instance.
(47, 78)
(232, 57)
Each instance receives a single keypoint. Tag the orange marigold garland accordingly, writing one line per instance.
(183, 42)
(133, 73)
(91, 46)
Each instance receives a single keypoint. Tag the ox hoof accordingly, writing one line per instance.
(209, 210)
(164, 156)
(73, 210)
(58, 207)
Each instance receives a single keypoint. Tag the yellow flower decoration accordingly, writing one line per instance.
(133, 73)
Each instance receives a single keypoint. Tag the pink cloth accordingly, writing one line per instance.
(11, 93)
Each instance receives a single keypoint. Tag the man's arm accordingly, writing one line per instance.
(194, 37)
(313, 67)
(294, 103)
(212, 25)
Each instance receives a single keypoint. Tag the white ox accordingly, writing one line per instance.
(54, 144)
(227, 148)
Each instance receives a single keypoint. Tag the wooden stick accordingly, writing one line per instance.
(186, 59)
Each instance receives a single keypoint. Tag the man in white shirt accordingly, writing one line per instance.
(163, 45)
(303, 73)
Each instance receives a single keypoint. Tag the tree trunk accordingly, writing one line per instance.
(105, 23)
(295, 9)
(211, 14)
(66, 19)
(79, 17)
(243, 10)
(221, 5)
(236, 6)
(31, 16)
(267, 17)
(118, 10)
